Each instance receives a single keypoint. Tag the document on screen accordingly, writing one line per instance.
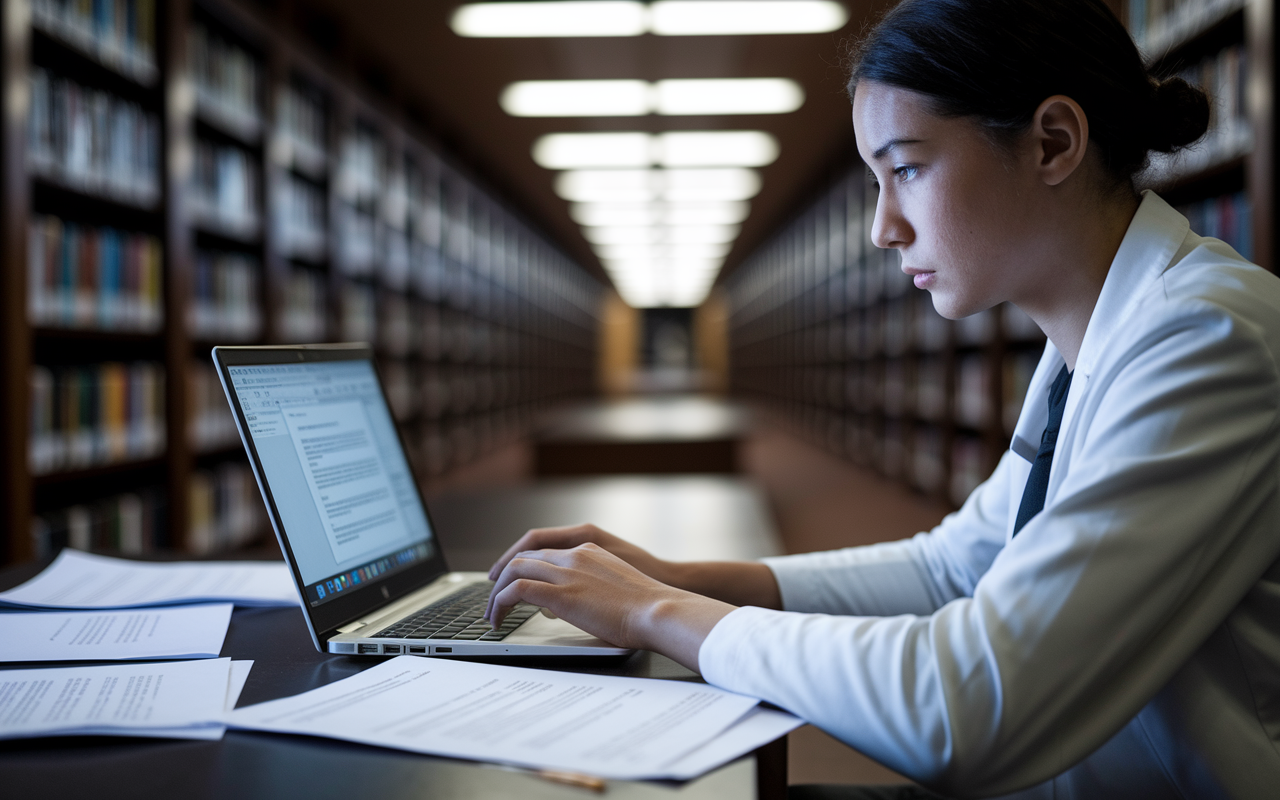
(150, 633)
(625, 728)
(85, 580)
(348, 481)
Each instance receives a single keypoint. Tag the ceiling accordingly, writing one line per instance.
(458, 82)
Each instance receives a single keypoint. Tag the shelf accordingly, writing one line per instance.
(136, 67)
(242, 231)
(1181, 30)
(244, 127)
(97, 334)
(148, 201)
(98, 472)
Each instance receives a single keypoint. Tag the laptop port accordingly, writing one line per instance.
(444, 649)
(367, 648)
(417, 649)
(390, 649)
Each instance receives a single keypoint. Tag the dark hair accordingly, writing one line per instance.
(997, 60)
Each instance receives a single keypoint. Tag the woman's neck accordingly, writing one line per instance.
(1062, 300)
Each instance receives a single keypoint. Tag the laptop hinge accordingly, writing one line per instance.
(352, 626)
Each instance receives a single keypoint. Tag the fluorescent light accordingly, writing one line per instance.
(578, 150)
(702, 234)
(620, 235)
(630, 98)
(574, 18)
(616, 213)
(674, 149)
(563, 18)
(727, 17)
(640, 251)
(713, 213)
(717, 149)
(606, 185)
(576, 99)
(725, 213)
(685, 97)
(681, 185)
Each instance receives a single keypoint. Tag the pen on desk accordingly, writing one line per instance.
(571, 779)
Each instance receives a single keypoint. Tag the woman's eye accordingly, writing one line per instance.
(905, 173)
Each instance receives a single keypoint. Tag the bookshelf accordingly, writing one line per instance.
(829, 335)
(183, 174)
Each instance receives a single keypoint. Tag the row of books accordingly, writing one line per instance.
(298, 214)
(81, 276)
(226, 190)
(225, 508)
(305, 311)
(228, 81)
(1159, 25)
(1224, 77)
(1228, 217)
(119, 33)
(225, 297)
(210, 425)
(93, 415)
(92, 141)
(301, 140)
(131, 524)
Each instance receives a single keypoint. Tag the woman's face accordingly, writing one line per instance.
(958, 209)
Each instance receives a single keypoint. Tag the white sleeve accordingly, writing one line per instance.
(912, 576)
(1163, 522)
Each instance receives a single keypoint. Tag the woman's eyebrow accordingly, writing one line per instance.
(889, 145)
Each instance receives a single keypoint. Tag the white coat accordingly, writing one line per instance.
(1126, 644)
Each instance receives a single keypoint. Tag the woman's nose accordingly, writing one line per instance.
(889, 230)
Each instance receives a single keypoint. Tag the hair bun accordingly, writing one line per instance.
(1179, 114)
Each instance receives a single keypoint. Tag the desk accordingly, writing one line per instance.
(256, 765)
(658, 435)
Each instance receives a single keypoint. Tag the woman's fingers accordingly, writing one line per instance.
(544, 538)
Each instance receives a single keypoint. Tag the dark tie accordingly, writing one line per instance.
(1038, 480)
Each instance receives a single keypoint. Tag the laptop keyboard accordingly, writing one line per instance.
(458, 616)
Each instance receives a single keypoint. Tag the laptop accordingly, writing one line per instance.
(351, 522)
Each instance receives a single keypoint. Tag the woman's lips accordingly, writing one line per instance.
(922, 278)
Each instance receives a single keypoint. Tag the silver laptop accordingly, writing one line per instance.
(351, 522)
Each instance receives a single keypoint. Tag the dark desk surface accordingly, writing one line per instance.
(253, 765)
(672, 419)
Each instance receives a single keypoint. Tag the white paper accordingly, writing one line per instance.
(128, 698)
(183, 632)
(624, 728)
(239, 674)
(85, 580)
(759, 727)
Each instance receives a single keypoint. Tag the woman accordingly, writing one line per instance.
(1102, 617)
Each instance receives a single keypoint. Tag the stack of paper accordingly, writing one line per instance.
(626, 728)
(181, 699)
(183, 632)
(83, 580)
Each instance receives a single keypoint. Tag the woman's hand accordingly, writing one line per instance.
(602, 594)
(571, 536)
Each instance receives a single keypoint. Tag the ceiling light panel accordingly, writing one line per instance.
(716, 149)
(745, 17)
(607, 186)
(540, 19)
(722, 213)
(577, 99)
(684, 97)
(701, 185)
(585, 150)
(628, 98)
(616, 213)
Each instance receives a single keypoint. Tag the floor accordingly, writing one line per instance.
(819, 502)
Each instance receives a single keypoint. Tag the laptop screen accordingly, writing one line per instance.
(342, 487)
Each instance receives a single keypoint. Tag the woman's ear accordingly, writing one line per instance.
(1060, 133)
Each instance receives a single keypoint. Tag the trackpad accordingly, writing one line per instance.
(541, 630)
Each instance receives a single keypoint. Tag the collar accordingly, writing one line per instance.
(1153, 239)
